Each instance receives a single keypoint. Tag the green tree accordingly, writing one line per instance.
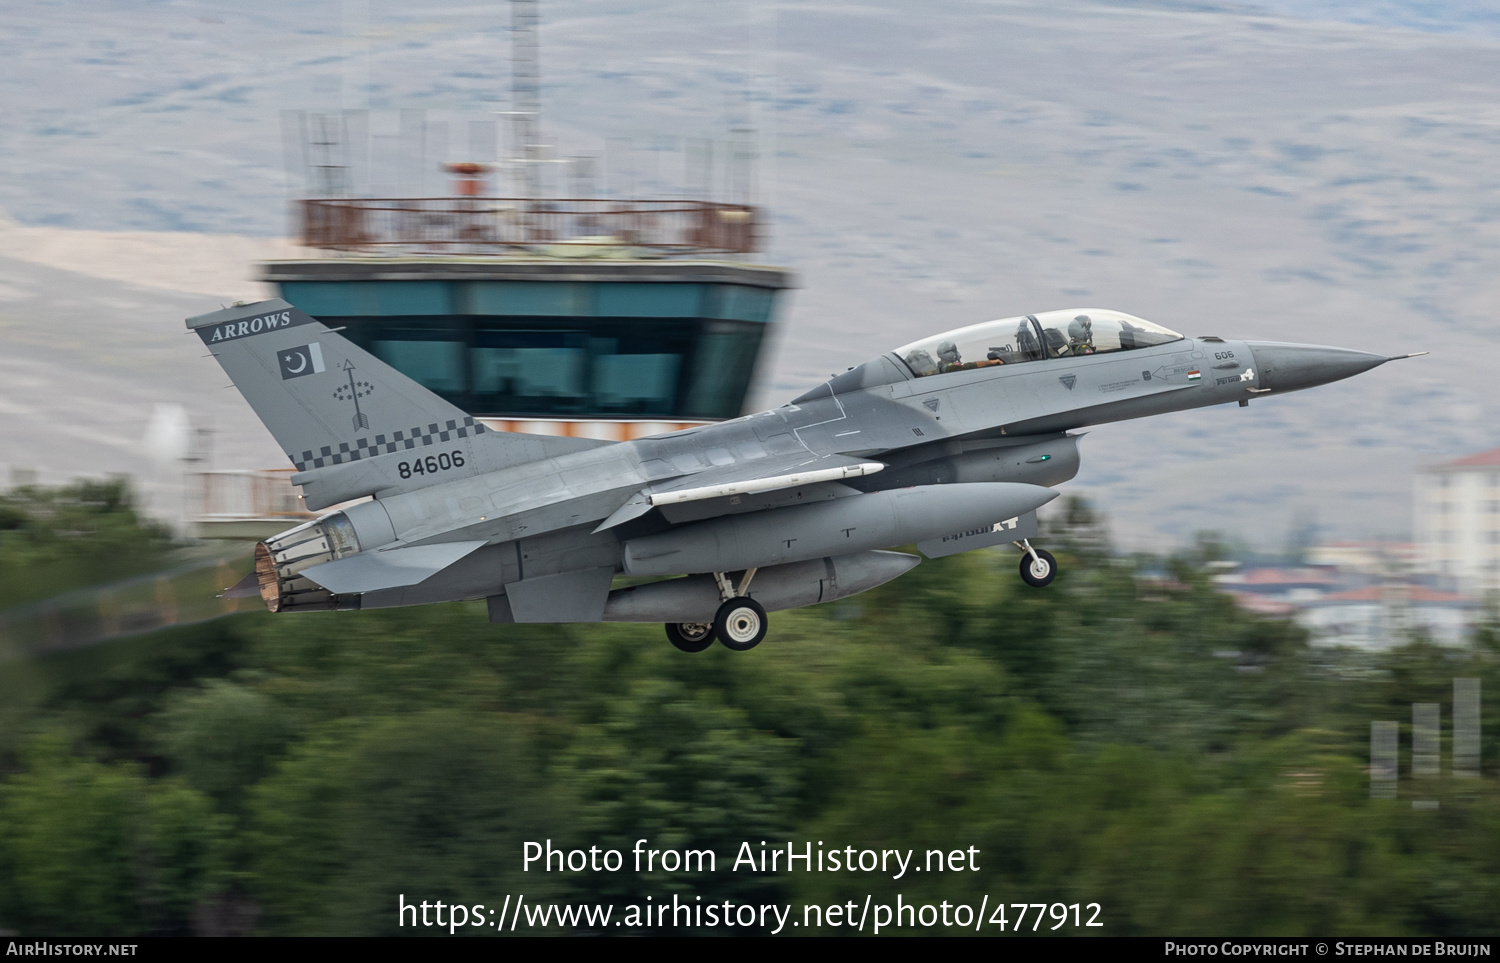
(54, 539)
(679, 768)
(92, 850)
(223, 738)
(434, 805)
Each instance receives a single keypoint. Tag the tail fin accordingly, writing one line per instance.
(330, 403)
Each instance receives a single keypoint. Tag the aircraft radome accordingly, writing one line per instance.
(951, 443)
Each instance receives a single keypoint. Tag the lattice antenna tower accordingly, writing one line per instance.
(526, 97)
(327, 155)
(741, 150)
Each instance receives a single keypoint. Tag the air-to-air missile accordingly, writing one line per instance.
(950, 443)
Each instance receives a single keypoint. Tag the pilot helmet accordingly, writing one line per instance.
(1081, 329)
(948, 352)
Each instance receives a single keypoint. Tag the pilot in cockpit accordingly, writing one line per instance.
(1081, 335)
(950, 359)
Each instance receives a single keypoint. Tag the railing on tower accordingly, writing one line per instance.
(487, 224)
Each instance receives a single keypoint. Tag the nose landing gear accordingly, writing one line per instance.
(1038, 567)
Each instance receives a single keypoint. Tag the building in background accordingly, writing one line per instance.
(1362, 595)
(1389, 614)
(1457, 520)
(1384, 559)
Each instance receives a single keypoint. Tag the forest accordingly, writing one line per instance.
(1126, 737)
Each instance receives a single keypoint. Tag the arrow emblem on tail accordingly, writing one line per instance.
(353, 391)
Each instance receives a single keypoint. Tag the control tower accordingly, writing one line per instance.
(593, 318)
(601, 318)
(540, 310)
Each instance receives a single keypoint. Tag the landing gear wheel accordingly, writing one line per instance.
(690, 636)
(741, 624)
(1038, 571)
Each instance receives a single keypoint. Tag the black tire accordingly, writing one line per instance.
(690, 636)
(1039, 572)
(740, 624)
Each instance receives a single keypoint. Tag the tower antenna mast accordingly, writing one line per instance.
(526, 99)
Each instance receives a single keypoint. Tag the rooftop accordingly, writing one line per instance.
(525, 267)
(1278, 577)
(1252, 602)
(1412, 594)
(1485, 459)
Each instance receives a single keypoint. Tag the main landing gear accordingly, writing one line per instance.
(1038, 567)
(740, 624)
(691, 636)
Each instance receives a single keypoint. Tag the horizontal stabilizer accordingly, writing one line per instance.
(393, 568)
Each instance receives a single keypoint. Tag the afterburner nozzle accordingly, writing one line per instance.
(1288, 367)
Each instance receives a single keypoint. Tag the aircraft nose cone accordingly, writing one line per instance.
(1287, 367)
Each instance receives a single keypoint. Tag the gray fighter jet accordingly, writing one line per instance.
(950, 443)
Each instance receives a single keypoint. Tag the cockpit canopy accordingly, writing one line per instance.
(1034, 337)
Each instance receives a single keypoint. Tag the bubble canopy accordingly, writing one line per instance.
(1069, 333)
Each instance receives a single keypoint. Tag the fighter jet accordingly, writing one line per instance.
(950, 443)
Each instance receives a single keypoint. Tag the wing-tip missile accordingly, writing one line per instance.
(754, 485)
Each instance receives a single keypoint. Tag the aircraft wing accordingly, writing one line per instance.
(743, 478)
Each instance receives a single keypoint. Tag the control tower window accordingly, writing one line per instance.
(551, 366)
(723, 363)
(620, 367)
(566, 367)
(434, 360)
(627, 346)
(635, 384)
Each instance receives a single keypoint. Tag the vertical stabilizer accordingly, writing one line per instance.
(329, 403)
(326, 400)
